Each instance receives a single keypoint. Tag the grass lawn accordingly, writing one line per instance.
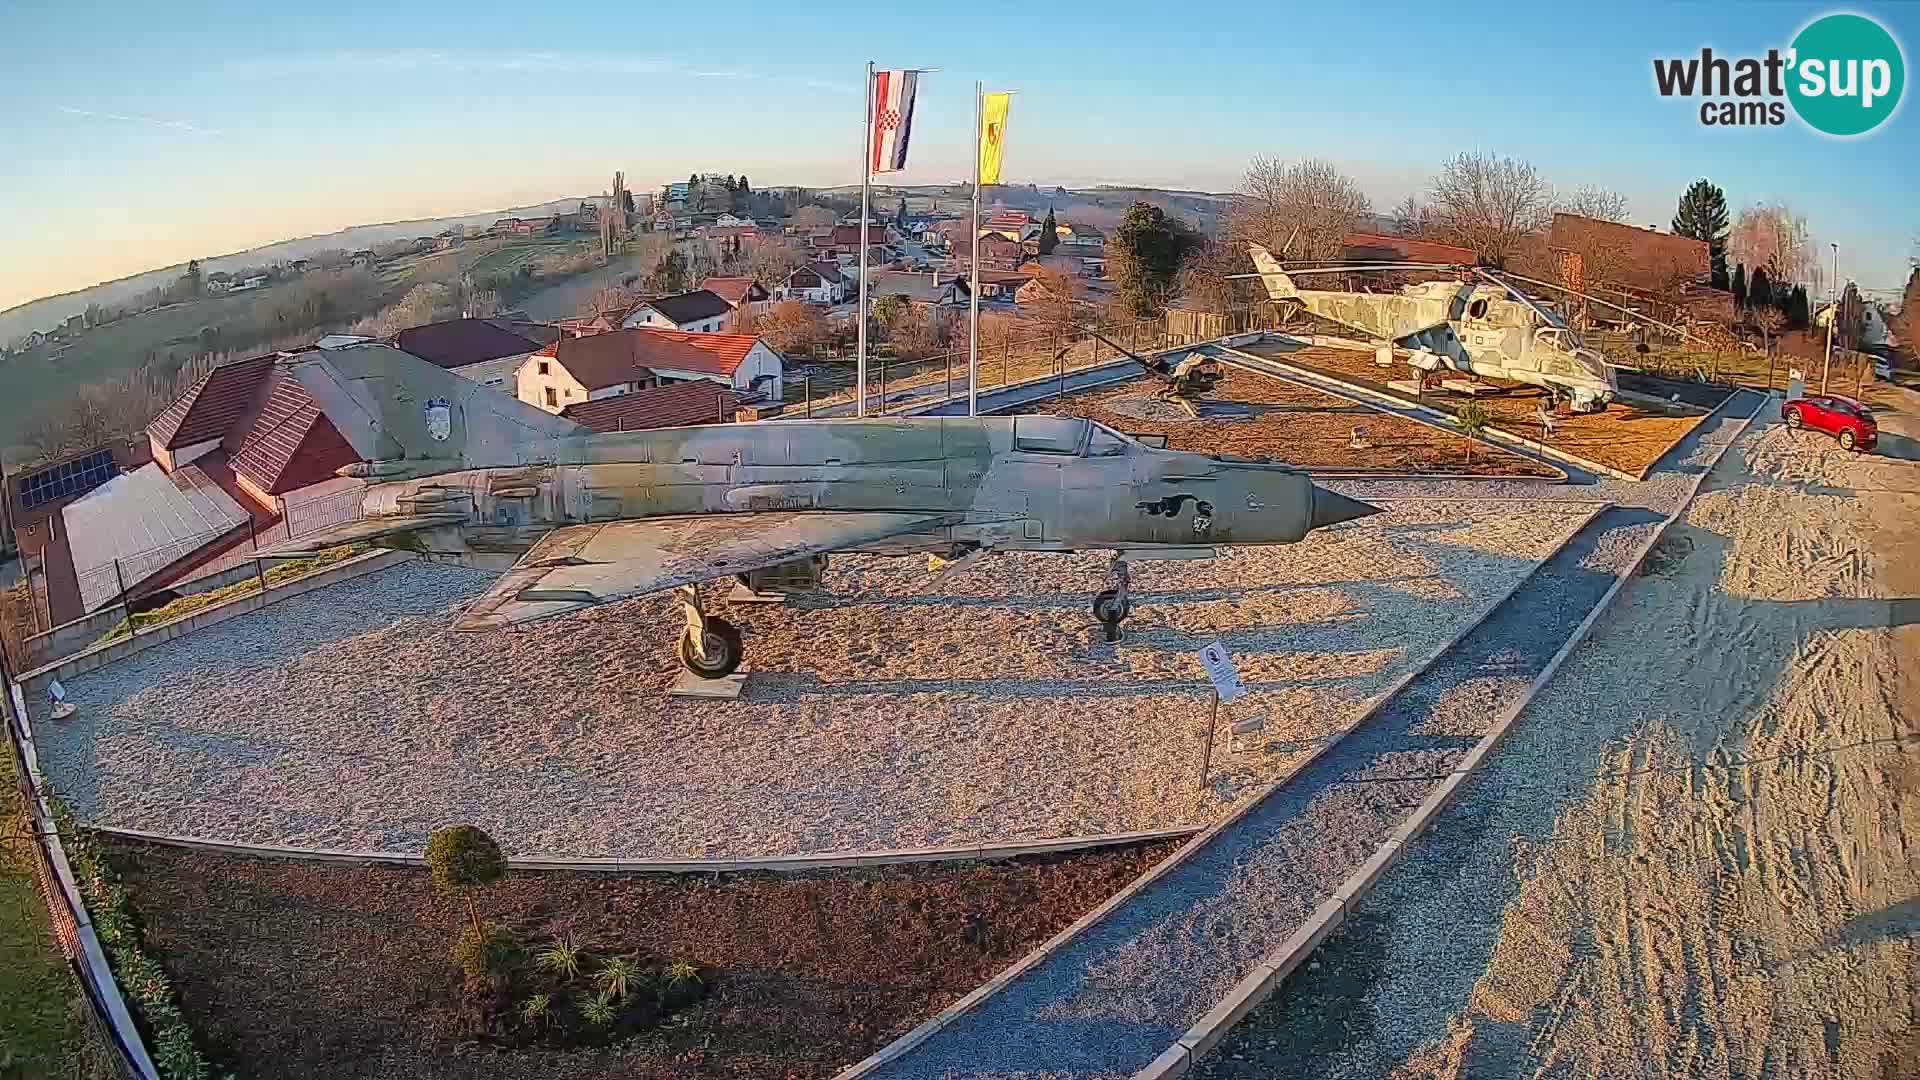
(512, 255)
(40, 1034)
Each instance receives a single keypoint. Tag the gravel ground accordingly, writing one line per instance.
(1644, 884)
(877, 715)
(1120, 993)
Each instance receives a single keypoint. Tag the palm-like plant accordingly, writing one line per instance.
(562, 958)
(537, 1010)
(616, 978)
(598, 1011)
(679, 973)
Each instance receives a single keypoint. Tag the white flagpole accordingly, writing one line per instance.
(973, 284)
(866, 178)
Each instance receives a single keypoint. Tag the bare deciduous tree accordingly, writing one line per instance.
(1594, 202)
(771, 261)
(1774, 237)
(1489, 203)
(812, 217)
(1414, 218)
(1298, 210)
(1055, 308)
(1207, 281)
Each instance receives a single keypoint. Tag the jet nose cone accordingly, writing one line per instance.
(1332, 508)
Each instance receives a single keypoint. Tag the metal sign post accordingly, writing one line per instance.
(1226, 687)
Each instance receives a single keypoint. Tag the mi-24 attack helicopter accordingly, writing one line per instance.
(1482, 326)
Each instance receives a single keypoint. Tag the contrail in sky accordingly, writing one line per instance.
(177, 125)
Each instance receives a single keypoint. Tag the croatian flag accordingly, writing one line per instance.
(892, 119)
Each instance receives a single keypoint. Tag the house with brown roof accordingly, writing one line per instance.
(487, 351)
(699, 312)
(574, 371)
(736, 290)
(1379, 247)
(1588, 252)
(668, 405)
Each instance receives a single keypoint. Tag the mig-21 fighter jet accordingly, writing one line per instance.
(579, 518)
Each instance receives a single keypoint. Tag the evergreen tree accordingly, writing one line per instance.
(1702, 214)
(900, 215)
(1760, 290)
(1739, 286)
(1144, 255)
(1049, 234)
(1799, 312)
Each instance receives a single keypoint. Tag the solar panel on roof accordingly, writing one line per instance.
(76, 477)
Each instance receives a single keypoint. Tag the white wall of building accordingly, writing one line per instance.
(543, 383)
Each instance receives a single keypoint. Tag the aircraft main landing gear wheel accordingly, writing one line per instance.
(1111, 606)
(719, 653)
(710, 647)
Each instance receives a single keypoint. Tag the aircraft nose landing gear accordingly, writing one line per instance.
(1112, 605)
(711, 647)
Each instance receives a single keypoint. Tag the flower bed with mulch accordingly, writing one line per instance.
(300, 969)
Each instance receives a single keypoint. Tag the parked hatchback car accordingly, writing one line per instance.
(1844, 418)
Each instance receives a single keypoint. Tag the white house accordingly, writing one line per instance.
(1873, 328)
(699, 312)
(820, 283)
(599, 366)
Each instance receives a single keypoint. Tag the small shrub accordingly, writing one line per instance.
(537, 1010)
(597, 1011)
(1473, 419)
(562, 958)
(616, 978)
(485, 954)
(681, 973)
(461, 857)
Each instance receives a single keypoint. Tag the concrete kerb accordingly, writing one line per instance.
(1518, 443)
(1211, 1028)
(112, 651)
(947, 1016)
(770, 863)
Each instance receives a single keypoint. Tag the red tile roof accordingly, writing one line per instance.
(210, 407)
(1383, 248)
(673, 405)
(290, 443)
(620, 356)
(850, 234)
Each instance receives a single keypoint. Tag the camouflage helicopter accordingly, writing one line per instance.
(1483, 327)
(578, 518)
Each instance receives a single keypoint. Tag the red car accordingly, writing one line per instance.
(1844, 418)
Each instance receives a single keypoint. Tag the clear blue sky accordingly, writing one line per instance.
(138, 134)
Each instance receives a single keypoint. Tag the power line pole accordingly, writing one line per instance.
(1833, 315)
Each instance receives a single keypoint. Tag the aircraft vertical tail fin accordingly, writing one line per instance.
(1279, 285)
(392, 406)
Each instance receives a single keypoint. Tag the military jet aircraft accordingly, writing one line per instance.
(458, 469)
(1485, 327)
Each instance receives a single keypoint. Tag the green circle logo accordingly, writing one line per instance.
(1847, 74)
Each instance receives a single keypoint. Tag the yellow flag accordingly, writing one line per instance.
(993, 135)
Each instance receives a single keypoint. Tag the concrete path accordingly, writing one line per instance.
(1110, 1000)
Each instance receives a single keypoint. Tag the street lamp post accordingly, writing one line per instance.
(1833, 314)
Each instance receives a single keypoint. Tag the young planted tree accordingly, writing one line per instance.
(1702, 215)
(462, 858)
(1473, 419)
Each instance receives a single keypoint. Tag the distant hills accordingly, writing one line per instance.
(50, 311)
(1101, 206)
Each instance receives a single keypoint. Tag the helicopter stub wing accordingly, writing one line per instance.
(582, 566)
